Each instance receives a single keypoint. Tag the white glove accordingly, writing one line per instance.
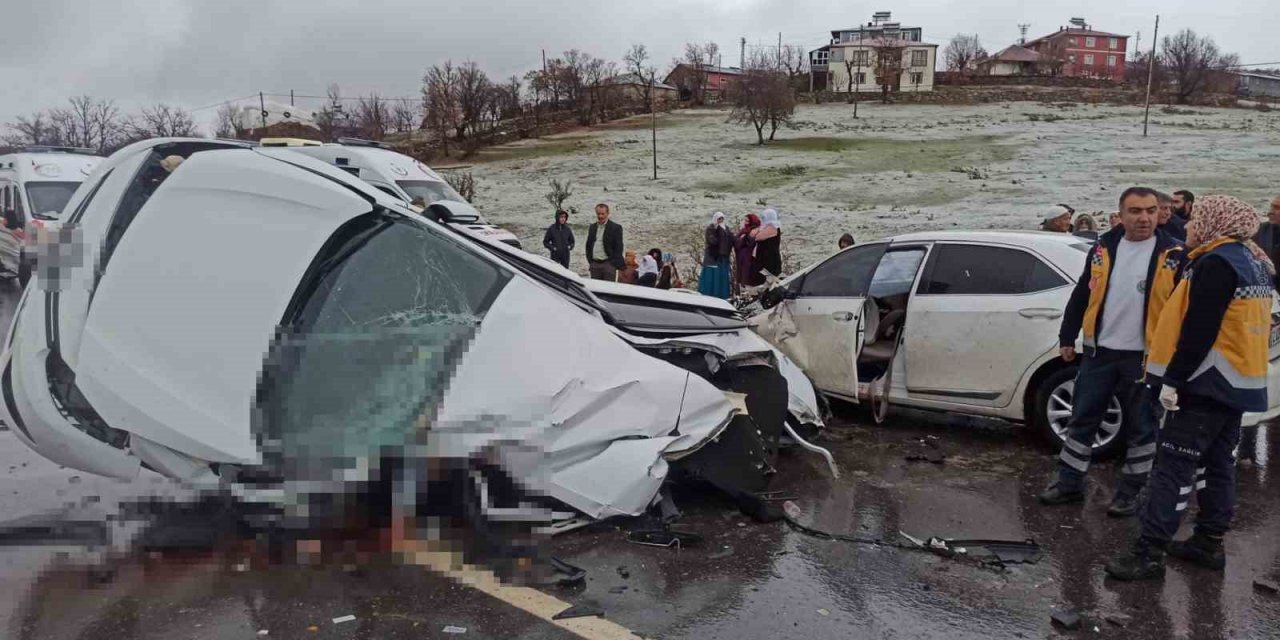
(1168, 398)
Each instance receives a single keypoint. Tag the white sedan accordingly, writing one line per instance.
(956, 321)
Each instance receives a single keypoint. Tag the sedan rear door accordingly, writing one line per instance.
(982, 314)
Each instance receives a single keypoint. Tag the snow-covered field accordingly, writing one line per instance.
(895, 169)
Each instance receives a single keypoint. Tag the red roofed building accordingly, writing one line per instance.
(1080, 50)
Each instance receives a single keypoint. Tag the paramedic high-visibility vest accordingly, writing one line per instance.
(1235, 371)
(1168, 262)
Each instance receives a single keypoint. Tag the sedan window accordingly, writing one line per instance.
(961, 269)
(846, 275)
(896, 272)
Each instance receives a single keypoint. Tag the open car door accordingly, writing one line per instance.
(821, 325)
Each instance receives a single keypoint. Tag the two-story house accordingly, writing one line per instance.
(1080, 50)
(861, 46)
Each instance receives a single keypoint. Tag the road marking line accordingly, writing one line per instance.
(530, 600)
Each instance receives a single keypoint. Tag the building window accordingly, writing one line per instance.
(1088, 59)
(1114, 43)
(1090, 42)
(1111, 61)
(861, 58)
(917, 77)
(860, 78)
(919, 58)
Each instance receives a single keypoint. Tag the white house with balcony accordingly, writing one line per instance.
(853, 54)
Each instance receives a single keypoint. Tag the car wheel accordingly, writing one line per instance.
(1052, 411)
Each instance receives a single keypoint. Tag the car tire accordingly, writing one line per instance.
(1055, 391)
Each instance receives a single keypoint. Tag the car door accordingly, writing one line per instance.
(982, 314)
(10, 237)
(826, 306)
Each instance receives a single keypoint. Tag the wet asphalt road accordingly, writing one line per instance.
(746, 580)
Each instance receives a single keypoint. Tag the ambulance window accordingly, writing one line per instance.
(17, 204)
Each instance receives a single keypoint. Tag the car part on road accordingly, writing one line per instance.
(1002, 551)
(1266, 586)
(664, 538)
(1067, 619)
(580, 610)
(806, 445)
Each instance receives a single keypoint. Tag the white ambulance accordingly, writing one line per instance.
(401, 177)
(35, 184)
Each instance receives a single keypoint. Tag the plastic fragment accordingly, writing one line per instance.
(453, 629)
(342, 619)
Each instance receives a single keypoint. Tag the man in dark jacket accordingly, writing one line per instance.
(559, 239)
(1170, 223)
(1268, 236)
(604, 258)
(1128, 278)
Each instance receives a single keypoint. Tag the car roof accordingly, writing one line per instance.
(49, 166)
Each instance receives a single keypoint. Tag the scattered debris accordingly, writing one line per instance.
(1002, 551)
(1119, 619)
(927, 451)
(824, 612)
(580, 610)
(623, 573)
(664, 538)
(453, 629)
(342, 619)
(1069, 620)
(263, 632)
(1266, 585)
(722, 554)
(617, 590)
(313, 628)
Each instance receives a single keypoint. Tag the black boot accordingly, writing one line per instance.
(1202, 549)
(1057, 494)
(1123, 506)
(1144, 561)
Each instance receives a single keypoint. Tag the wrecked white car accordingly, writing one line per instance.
(259, 321)
(965, 322)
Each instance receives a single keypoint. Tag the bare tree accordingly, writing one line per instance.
(439, 98)
(573, 83)
(228, 123)
(1191, 62)
(1053, 57)
(963, 52)
(463, 182)
(332, 119)
(855, 60)
(888, 65)
(694, 81)
(33, 129)
(762, 97)
(597, 74)
(373, 117)
(793, 61)
(636, 60)
(406, 115)
(472, 95)
(161, 121)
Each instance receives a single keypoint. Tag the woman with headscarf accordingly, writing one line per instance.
(744, 248)
(714, 279)
(649, 267)
(630, 272)
(1209, 356)
(768, 243)
(668, 274)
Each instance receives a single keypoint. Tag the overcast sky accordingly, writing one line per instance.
(198, 53)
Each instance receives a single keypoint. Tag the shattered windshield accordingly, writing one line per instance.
(47, 199)
(385, 318)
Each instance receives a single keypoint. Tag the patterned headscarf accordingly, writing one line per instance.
(1226, 217)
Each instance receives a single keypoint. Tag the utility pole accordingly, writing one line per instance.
(779, 49)
(1151, 71)
(291, 97)
(262, 110)
(653, 122)
(742, 56)
(1137, 43)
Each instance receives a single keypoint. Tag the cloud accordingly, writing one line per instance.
(199, 53)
